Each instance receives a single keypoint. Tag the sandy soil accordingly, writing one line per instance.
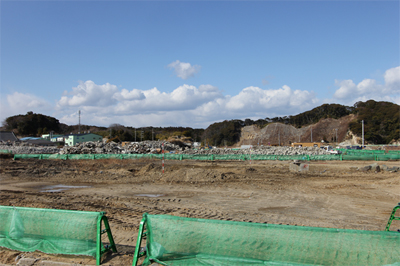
(331, 194)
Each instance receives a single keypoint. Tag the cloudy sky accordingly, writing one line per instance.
(192, 63)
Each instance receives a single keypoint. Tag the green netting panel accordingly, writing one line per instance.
(188, 241)
(329, 157)
(108, 156)
(291, 157)
(389, 156)
(359, 157)
(81, 156)
(49, 231)
(58, 156)
(6, 151)
(27, 156)
(171, 156)
(228, 157)
(263, 157)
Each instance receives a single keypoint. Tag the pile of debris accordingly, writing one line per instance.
(144, 147)
(263, 150)
(20, 147)
(147, 147)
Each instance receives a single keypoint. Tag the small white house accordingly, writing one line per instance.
(73, 139)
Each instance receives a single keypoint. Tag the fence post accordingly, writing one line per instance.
(163, 157)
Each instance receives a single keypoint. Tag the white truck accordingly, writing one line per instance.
(331, 150)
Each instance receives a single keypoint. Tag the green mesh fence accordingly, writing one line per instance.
(332, 157)
(388, 156)
(358, 157)
(187, 241)
(49, 231)
(6, 151)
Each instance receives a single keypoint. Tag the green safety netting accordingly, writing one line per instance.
(6, 151)
(388, 156)
(49, 231)
(331, 157)
(175, 240)
(358, 157)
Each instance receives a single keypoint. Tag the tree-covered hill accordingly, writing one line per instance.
(31, 124)
(381, 121)
(335, 111)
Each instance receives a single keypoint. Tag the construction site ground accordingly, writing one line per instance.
(331, 194)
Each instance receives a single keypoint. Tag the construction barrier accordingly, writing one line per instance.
(172, 240)
(217, 157)
(6, 151)
(54, 231)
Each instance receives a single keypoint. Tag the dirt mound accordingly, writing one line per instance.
(278, 133)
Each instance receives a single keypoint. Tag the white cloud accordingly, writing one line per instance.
(392, 80)
(255, 99)
(349, 92)
(187, 105)
(184, 70)
(91, 94)
(21, 103)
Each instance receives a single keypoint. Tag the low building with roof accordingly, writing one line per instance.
(8, 136)
(73, 139)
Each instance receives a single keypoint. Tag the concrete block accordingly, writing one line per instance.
(299, 167)
(26, 262)
(375, 167)
(365, 168)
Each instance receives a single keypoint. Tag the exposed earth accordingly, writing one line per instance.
(330, 194)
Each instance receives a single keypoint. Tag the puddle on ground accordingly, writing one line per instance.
(149, 195)
(59, 188)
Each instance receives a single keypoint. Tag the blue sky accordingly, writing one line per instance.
(192, 63)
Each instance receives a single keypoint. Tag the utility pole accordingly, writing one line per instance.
(362, 121)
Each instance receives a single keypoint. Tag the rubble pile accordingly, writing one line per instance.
(143, 147)
(264, 150)
(147, 147)
(27, 148)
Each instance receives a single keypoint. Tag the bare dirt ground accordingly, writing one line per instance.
(331, 194)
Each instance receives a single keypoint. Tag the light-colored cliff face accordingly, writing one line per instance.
(275, 133)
